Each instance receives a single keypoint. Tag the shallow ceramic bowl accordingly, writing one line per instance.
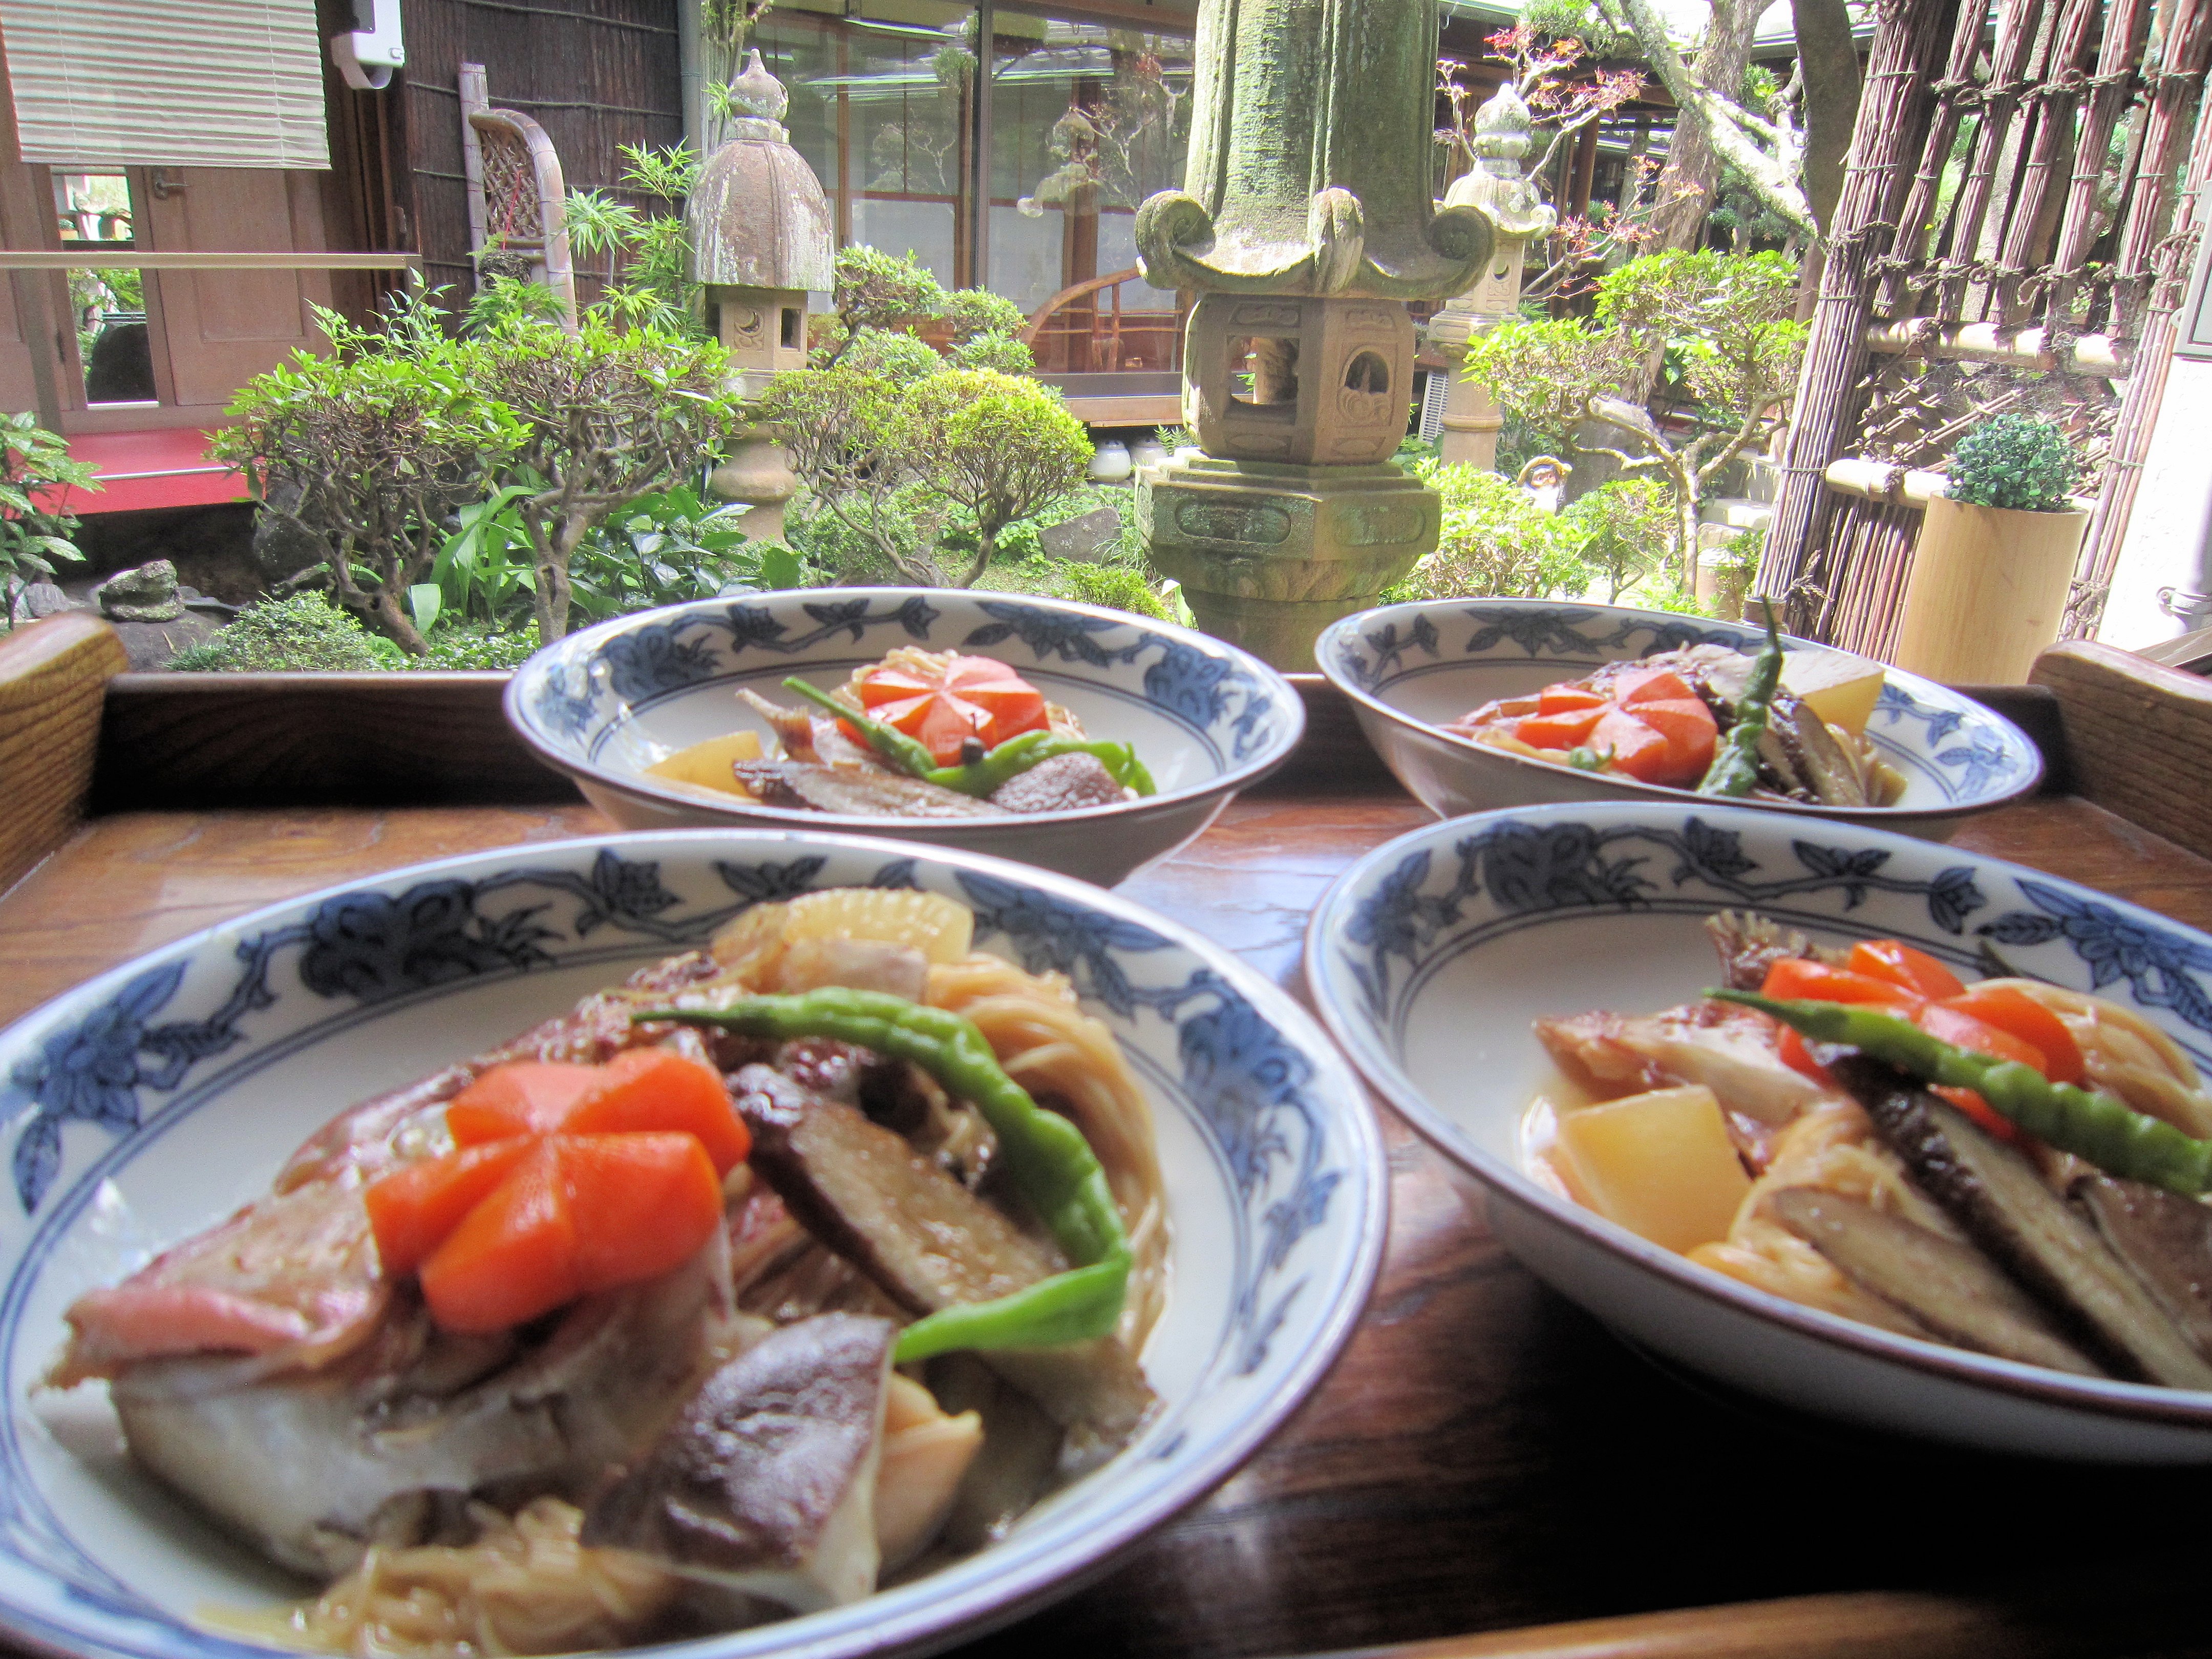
(1205, 718)
(1408, 668)
(1431, 958)
(153, 1099)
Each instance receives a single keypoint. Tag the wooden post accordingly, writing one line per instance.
(1890, 116)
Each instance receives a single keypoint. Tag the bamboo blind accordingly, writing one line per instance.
(2016, 227)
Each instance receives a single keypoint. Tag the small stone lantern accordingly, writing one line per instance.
(1305, 225)
(1496, 188)
(758, 226)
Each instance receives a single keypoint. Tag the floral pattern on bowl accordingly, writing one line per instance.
(1205, 718)
(150, 1101)
(1432, 956)
(1409, 668)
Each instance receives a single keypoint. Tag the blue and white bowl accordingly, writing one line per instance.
(156, 1098)
(1431, 957)
(1205, 718)
(1409, 668)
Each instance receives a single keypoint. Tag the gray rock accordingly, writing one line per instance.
(284, 546)
(152, 645)
(147, 594)
(42, 600)
(1087, 539)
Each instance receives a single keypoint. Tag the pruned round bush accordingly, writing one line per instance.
(2015, 461)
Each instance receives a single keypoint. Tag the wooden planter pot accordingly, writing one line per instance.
(1988, 591)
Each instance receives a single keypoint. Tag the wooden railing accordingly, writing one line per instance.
(1074, 333)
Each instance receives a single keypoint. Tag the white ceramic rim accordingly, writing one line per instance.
(1872, 817)
(1235, 779)
(2141, 1401)
(1055, 1572)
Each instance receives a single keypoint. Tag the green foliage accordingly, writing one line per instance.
(1546, 371)
(415, 456)
(1496, 543)
(483, 567)
(644, 279)
(1620, 532)
(2015, 461)
(1000, 353)
(1002, 447)
(606, 417)
(507, 299)
(475, 647)
(1727, 325)
(905, 449)
(375, 445)
(299, 635)
(870, 288)
(1732, 317)
(1115, 585)
(890, 354)
(670, 547)
(33, 462)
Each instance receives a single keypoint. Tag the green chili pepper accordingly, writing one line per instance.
(1735, 770)
(981, 777)
(1587, 759)
(909, 756)
(2097, 1127)
(1046, 1156)
(1016, 754)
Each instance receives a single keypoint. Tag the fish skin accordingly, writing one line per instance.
(1730, 1050)
(293, 1279)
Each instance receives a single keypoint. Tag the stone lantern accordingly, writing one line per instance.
(1495, 187)
(758, 226)
(1304, 224)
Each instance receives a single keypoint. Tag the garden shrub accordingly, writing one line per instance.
(34, 461)
(303, 634)
(1495, 544)
(379, 442)
(1727, 326)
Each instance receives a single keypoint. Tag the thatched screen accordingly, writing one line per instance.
(2017, 225)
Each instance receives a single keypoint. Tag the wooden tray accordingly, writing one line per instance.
(1485, 1458)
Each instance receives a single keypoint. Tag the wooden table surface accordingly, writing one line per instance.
(1484, 1456)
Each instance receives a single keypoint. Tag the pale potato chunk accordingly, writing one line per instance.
(1659, 1164)
(1839, 688)
(707, 765)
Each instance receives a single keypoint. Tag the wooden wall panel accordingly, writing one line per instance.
(595, 74)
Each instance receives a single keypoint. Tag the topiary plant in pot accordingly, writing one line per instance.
(1995, 562)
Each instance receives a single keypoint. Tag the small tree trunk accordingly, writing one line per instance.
(554, 588)
(985, 540)
(395, 625)
(1685, 509)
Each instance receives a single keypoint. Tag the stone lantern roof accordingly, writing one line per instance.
(758, 217)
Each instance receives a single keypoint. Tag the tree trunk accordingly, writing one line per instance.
(552, 546)
(986, 539)
(395, 625)
(1823, 28)
(1691, 179)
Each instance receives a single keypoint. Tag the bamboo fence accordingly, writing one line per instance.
(2016, 228)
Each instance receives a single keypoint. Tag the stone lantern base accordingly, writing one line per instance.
(1270, 555)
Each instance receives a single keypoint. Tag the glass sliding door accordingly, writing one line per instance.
(882, 107)
(1087, 119)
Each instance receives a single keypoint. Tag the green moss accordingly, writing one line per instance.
(301, 635)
